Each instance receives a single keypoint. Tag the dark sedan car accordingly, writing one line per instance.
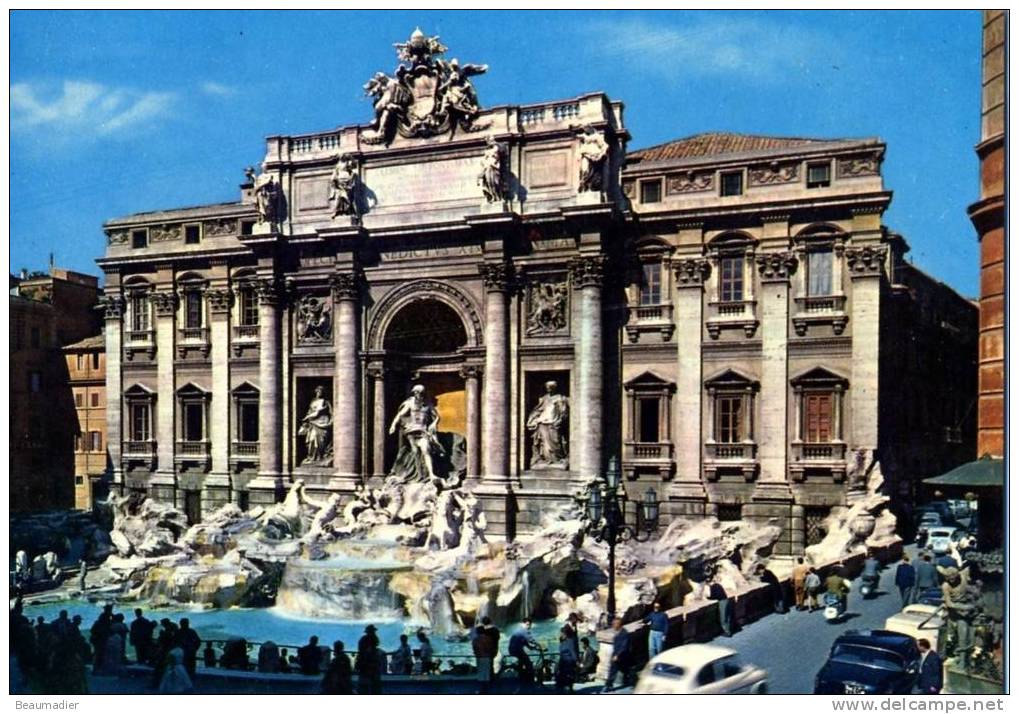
(870, 662)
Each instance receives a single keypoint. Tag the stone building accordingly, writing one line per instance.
(988, 215)
(557, 310)
(86, 378)
(47, 311)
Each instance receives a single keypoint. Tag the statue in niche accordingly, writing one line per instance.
(547, 312)
(547, 422)
(267, 195)
(343, 187)
(490, 179)
(314, 320)
(418, 421)
(317, 430)
(593, 152)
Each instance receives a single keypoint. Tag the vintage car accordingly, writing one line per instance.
(941, 539)
(919, 622)
(870, 662)
(700, 669)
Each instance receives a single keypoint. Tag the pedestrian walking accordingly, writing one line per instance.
(338, 678)
(620, 662)
(932, 674)
(812, 585)
(905, 580)
(800, 572)
(926, 576)
(588, 663)
(658, 627)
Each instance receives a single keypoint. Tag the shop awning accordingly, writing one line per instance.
(985, 472)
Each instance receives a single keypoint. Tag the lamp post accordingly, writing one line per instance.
(606, 512)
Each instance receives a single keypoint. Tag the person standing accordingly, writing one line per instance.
(905, 580)
(369, 663)
(926, 576)
(425, 653)
(309, 657)
(588, 663)
(82, 575)
(717, 592)
(800, 573)
(658, 628)
(812, 585)
(401, 660)
(566, 667)
(338, 679)
(485, 649)
(141, 636)
(774, 587)
(620, 662)
(189, 641)
(98, 634)
(932, 671)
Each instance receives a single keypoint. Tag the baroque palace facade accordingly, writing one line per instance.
(724, 316)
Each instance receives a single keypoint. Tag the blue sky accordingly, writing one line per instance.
(118, 112)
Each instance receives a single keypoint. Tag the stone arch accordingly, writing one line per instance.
(399, 297)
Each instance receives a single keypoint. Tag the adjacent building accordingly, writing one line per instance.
(86, 377)
(48, 310)
(725, 315)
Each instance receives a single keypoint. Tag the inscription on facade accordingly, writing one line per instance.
(312, 194)
(547, 169)
(446, 251)
(443, 180)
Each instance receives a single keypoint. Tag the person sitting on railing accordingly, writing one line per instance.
(309, 657)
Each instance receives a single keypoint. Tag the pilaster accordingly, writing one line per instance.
(164, 303)
(866, 267)
(691, 275)
(114, 316)
(219, 299)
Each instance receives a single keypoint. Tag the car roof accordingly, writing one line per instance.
(693, 654)
(883, 639)
(943, 529)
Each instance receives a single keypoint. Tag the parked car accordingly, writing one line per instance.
(941, 539)
(870, 662)
(927, 521)
(959, 508)
(700, 669)
(918, 621)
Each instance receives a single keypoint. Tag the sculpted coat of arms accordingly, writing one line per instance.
(426, 95)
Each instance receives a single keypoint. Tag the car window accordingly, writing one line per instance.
(667, 670)
(707, 674)
(729, 667)
(867, 656)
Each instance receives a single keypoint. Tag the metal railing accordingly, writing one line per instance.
(246, 332)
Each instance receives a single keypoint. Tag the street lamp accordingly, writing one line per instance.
(606, 511)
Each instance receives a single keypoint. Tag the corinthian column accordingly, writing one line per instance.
(497, 397)
(114, 315)
(270, 416)
(165, 304)
(219, 420)
(347, 378)
(470, 373)
(587, 275)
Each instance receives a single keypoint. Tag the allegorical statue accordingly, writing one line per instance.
(547, 422)
(314, 320)
(267, 195)
(317, 430)
(491, 177)
(459, 98)
(343, 187)
(593, 152)
(418, 421)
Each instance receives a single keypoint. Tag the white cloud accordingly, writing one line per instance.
(216, 89)
(86, 108)
(757, 49)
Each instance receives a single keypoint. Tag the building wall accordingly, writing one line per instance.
(86, 368)
(988, 215)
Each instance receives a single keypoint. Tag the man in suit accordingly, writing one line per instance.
(926, 575)
(931, 678)
(905, 579)
(620, 662)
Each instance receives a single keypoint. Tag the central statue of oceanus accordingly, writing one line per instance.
(425, 453)
(425, 96)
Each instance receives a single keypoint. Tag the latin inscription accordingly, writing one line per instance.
(432, 252)
(421, 183)
(547, 168)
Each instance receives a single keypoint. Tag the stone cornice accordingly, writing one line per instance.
(346, 286)
(867, 261)
(498, 277)
(219, 299)
(691, 272)
(776, 267)
(165, 303)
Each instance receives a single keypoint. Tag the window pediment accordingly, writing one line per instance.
(732, 380)
(819, 378)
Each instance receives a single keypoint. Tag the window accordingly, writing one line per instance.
(243, 502)
(95, 440)
(731, 279)
(817, 417)
(651, 191)
(247, 421)
(79, 402)
(818, 175)
(140, 422)
(140, 313)
(648, 420)
(192, 234)
(35, 381)
(192, 309)
(77, 442)
(95, 360)
(247, 228)
(139, 238)
(79, 480)
(80, 362)
(730, 511)
(819, 272)
(732, 183)
(192, 402)
(729, 419)
(249, 307)
(651, 286)
(95, 399)
(36, 337)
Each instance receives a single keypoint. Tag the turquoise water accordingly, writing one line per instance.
(259, 625)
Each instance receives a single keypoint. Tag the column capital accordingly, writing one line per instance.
(375, 370)
(587, 271)
(165, 303)
(867, 261)
(269, 291)
(498, 277)
(471, 371)
(691, 272)
(346, 286)
(219, 299)
(776, 267)
(113, 307)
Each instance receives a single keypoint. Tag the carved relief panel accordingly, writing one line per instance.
(547, 307)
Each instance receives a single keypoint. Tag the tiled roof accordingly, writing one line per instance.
(716, 143)
(89, 343)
